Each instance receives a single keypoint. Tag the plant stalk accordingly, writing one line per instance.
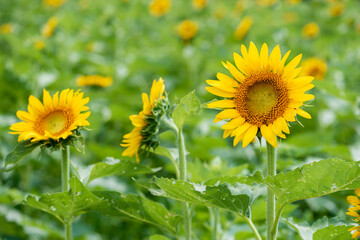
(270, 205)
(257, 234)
(182, 176)
(65, 176)
(215, 212)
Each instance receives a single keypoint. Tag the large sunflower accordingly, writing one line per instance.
(55, 118)
(354, 212)
(263, 95)
(146, 127)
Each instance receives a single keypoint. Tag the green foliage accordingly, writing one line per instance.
(111, 167)
(187, 107)
(332, 232)
(21, 150)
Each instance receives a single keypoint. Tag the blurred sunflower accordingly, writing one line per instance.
(311, 30)
(294, 2)
(314, 67)
(53, 3)
(243, 28)
(336, 9)
(266, 3)
(6, 28)
(39, 44)
(49, 27)
(199, 4)
(263, 95)
(94, 80)
(159, 8)
(147, 123)
(187, 29)
(354, 212)
(54, 119)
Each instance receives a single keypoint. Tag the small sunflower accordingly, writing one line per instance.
(187, 29)
(54, 119)
(39, 44)
(311, 30)
(243, 28)
(159, 8)
(354, 212)
(263, 95)
(94, 80)
(314, 67)
(336, 9)
(6, 28)
(49, 27)
(147, 122)
(199, 4)
(53, 3)
(266, 3)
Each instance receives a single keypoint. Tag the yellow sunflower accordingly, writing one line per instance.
(311, 30)
(55, 118)
(354, 212)
(199, 4)
(314, 67)
(159, 8)
(336, 9)
(243, 28)
(263, 95)
(94, 80)
(49, 27)
(187, 29)
(6, 28)
(139, 135)
(53, 3)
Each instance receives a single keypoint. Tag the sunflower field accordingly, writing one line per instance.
(170, 119)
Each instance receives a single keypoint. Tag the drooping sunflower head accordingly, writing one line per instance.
(94, 80)
(187, 29)
(147, 123)
(355, 212)
(159, 8)
(53, 120)
(263, 95)
(314, 67)
(311, 30)
(243, 28)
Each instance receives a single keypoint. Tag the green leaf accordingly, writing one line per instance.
(111, 167)
(225, 196)
(139, 208)
(158, 237)
(333, 233)
(322, 229)
(66, 206)
(315, 179)
(187, 107)
(21, 150)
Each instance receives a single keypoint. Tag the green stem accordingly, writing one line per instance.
(215, 221)
(270, 206)
(182, 176)
(248, 220)
(277, 219)
(65, 175)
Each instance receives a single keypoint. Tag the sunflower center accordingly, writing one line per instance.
(262, 98)
(55, 122)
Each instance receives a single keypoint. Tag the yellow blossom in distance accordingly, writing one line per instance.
(54, 118)
(336, 9)
(243, 28)
(354, 212)
(159, 8)
(199, 4)
(53, 3)
(187, 29)
(94, 80)
(133, 140)
(39, 44)
(266, 3)
(314, 67)
(261, 96)
(311, 30)
(6, 28)
(49, 27)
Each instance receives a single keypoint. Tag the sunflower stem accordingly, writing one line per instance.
(257, 234)
(214, 212)
(270, 206)
(182, 176)
(65, 175)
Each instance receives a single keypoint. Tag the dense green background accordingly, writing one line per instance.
(134, 48)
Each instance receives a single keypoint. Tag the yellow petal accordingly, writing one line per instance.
(269, 135)
(264, 56)
(235, 72)
(249, 135)
(227, 80)
(226, 114)
(303, 113)
(221, 104)
(219, 92)
(236, 122)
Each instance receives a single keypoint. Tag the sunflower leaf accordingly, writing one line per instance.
(340, 232)
(235, 199)
(111, 167)
(66, 206)
(187, 107)
(138, 208)
(21, 150)
(314, 179)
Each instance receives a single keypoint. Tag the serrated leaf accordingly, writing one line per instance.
(111, 167)
(21, 150)
(66, 206)
(315, 179)
(223, 196)
(140, 209)
(333, 233)
(187, 107)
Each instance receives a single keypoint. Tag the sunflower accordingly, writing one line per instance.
(53, 3)
(336, 9)
(243, 28)
(314, 67)
(94, 80)
(159, 8)
(49, 27)
(39, 44)
(187, 29)
(6, 28)
(199, 4)
(263, 95)
(311, 30)
(354, 212)
(56, 118)
(146, 123)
